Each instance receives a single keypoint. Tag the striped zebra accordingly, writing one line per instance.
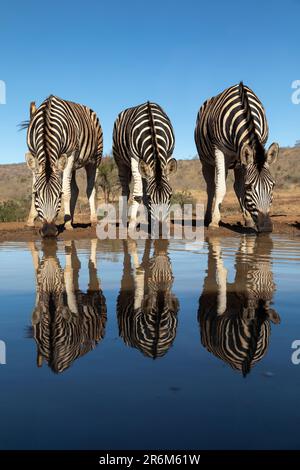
(62, 137)
(66, 322)
(235, 318)
(231, 131)
(143, 143)
(146, 307)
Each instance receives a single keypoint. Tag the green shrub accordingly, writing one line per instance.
(182, 197)
(14, 211)
(108, 179)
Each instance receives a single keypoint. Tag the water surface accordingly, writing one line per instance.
(163, 345)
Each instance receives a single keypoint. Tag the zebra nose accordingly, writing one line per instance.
(48, 230)
(264, 223)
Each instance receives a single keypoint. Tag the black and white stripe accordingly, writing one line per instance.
(231, 131)
(66, 322)
(239, 342)
(235, 318)
(62, 136)
(143, 143)
(146, 307)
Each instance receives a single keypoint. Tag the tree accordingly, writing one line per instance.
(108, 179)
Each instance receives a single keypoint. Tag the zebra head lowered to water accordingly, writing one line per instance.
(235, 317)
(231, 132)
(143, 144)
(66, 322)
(62, 136)
(146, 307)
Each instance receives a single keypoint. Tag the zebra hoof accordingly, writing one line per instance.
(68, 226)
(132, 225)
(213, 225)
(249, 223)
(140, 270)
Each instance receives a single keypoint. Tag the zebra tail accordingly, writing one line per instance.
(23, 125)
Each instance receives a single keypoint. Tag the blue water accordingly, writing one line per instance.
(176, 394)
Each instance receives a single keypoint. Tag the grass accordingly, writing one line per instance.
(12, 211)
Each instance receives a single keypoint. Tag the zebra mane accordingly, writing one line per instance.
(256, 144)
(46, 116)
(154, 140)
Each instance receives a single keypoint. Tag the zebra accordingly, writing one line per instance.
(66, 322)
(143, 144)
(235, 318)
(62, 137)
(146, 307)
(231, 131)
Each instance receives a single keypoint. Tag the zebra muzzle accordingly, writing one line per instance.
(49, 230)
(264, 223)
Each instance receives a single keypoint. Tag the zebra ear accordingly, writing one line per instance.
(62, 162)
(272, 153)
(273, 316)
(39, 359)
(171, 166)
(32, 109)
(247, 155)
(30, 160)
(36, 316)
(145, 169)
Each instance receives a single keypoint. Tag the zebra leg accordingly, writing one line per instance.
(74, 195)
(208, 172)
(94, 284)
(138, 275)
(137, 189)
(35, 255)
(70, 272)
(146, 205)
(221, 275)
(75, 264)
(33, 212)
(220, 178)
(239, 188)
(124, 172)
(36, 314)
(91, 176)
(66, 187)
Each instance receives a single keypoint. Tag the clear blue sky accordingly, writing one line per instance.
(114, 54)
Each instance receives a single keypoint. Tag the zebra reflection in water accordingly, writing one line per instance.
(146, 307)
(66, 323)
(235, 317)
